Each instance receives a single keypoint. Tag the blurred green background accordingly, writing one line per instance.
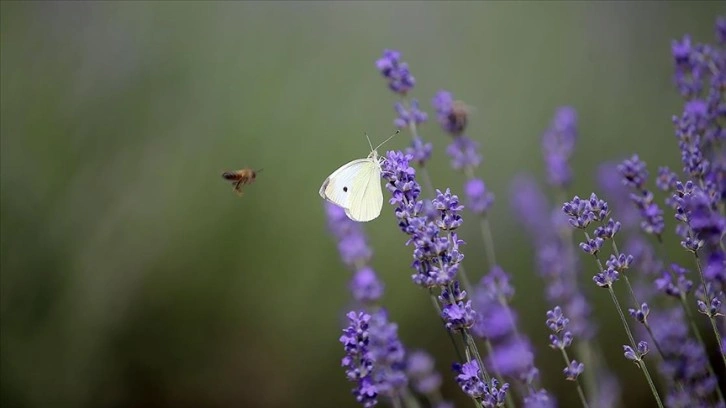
(133, 276)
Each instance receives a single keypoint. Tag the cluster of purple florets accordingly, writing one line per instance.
(660, 293)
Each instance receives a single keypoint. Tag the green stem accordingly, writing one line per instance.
(713, 322)
(409, 401)
(490, 350)
(718, 337)
(641, 363)
(577, 381)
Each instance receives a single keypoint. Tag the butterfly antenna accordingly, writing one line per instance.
(257, 171)
(389, 138)
(369, 141)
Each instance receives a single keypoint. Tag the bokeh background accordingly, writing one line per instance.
(132, 275)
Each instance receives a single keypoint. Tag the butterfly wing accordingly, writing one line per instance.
(338, 187)
(367, 198)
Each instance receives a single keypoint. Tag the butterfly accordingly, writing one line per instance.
(356, 186)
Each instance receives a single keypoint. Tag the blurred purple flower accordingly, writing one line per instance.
(478, 196)
(396, 72)
(412, 115)
(365, 286)
(388, 354)
(558, 144)
(422, 373)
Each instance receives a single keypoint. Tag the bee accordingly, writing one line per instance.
(240, 178)
(459, 117)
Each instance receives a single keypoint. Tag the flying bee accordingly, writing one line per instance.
(459, 117)
(240, 178)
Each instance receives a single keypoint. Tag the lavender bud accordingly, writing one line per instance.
(573, 370)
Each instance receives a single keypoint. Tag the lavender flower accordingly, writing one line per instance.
(539, 399)
(353, 247)
(562, 339)
(640, 314)
(420, 150)
(352, 243)
(358, 360)
(558, 144)
(365, 286)
(464, 153)
(636, 355)
(555, 262)
(684, 363)
(635, 175)
(396, 72)
(479, 198)
(606, 278)
(436, 248)
(469, 379)
(412, 115)
(389, 356)
(674, 283)
(421, 372)
(573, 370)
(709, 300)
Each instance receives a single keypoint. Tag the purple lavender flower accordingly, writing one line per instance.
(365, 286)
(556, 321)
(421, 371)
(633, 172)
(573, 370)
(539, 399)
(412, 115)
(619, 263)
(684, 361)
(396, 72)
(558, 143)
(464, 153)
(352, 243)
(618, 195)
(704, 218)
(606, 278)
(513, 358)
(608, 230)
(715, 269)
(721, 30)
(674, 283)
(531, 206)
(469, 379)
(420, 150)
(388, 354)
(358, 360)
(640, 314)
(636, 355)
(709, 300)
(458, 316)
(592, 246)
(635, 175)
(555, 262)
(688, 71)
(479, 198)
(666, 180)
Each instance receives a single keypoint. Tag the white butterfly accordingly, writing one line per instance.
(356, 186)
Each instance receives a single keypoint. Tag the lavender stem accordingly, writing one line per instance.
(711, 318)
(577, 381)
(641, 363)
